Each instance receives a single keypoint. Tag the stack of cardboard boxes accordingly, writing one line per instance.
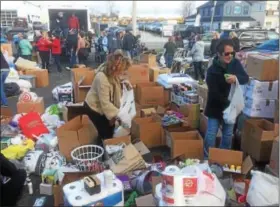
(261, 107)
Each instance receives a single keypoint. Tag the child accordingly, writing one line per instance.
(56, 51)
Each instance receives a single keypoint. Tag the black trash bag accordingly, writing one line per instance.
(11, 89)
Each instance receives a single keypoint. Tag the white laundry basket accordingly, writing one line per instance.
(88, 158)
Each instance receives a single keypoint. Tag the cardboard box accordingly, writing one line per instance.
(167, 134)
(149, 94)
(25, 107)
(7, 47)
(82, 79)
(138, 73)
(202, 92)
(70, 111)
(230, 157)
(191, 112)
(69, 177)
(23, 64)
(41, 77)
(166, 96)
(147, 200)
(257, 138)
(261, 108)
(276, 130)
(115, 141)
(262, 90)
(149, 59)
(147, 112)
(144, 151)
(274, 158)
(6, 115)
(263, 68)
(189, 144)
(77, 132)
(276, 114)
(148, 130)
(156, 71)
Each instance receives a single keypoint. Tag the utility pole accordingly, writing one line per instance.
(134, 17)
(212, 17)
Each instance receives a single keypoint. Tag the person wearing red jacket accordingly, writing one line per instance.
(56, 51)
(44, 46)
(73, 22)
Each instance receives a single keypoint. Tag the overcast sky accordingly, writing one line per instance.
(144, 8)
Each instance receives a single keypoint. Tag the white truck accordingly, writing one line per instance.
(82, 12)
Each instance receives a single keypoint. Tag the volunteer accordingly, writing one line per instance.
(214, 43)
(218, 91)
(170, 49)
(129, 42)
(102, 102)
(236, 42)
(73, 22)
(25, 48)
(56, 51)
(11, 182)
(44, 45)
(197, 53)
(5, 69)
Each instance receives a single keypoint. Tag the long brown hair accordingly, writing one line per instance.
(116, 63)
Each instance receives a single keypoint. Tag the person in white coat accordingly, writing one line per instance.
(197, 54)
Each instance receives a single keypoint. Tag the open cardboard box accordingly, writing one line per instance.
(77, 132)
(6, 115)
(189, 144)
(231, 157)
(36, 106)
(138, 73)
(148, 130)
(173, 129)
(70, 111)
(41, 77)
(115, 141)
(149, 94)
(257, 139)
(82, 79)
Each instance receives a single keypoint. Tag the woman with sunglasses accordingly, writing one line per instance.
(102, 102)
(224, 71)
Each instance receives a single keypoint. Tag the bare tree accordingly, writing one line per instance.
(110, 7)
(188, 8)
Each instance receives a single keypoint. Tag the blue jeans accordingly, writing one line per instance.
(57, 62)
(4, 75)
(211, 134)
(168, 60)
(73, 59)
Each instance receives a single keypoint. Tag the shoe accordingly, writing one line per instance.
(68, 68)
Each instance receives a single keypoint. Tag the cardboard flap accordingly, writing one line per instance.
(142, 148)
(81, 80)
(130, 152)
(117, 140)
(247, 165)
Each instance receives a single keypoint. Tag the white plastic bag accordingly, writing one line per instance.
(121, 132)
(162, 61)
(24, 85)
(263, 190)
(127, 110)
(236, 104)
(63, 93)
(13, 76)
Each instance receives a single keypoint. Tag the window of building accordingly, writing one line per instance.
(237, 10)
(245, 10)
(208, 11)
(228, 10)
(246, 36)
(218, 11)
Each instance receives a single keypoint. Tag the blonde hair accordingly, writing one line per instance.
(44, 34)
(117, 57)
(232, 34)
(216, 35)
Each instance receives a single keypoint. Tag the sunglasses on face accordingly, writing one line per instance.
(229, 53)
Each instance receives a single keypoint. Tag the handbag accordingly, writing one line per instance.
(32, 125)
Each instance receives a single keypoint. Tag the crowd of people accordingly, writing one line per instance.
(196, 49)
